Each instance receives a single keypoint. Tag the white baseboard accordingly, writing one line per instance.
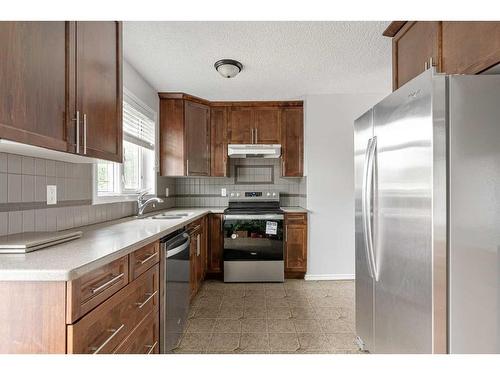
(337, 276)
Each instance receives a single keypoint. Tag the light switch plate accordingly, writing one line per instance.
(223, 192)
(51, 194)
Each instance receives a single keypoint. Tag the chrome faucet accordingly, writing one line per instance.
(142, 204)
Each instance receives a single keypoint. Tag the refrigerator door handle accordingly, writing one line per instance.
(369, 209)
(365, 210)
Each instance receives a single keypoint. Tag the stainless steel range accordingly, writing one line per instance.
(253, 237)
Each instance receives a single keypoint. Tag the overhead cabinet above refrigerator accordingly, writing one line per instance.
(427, 177)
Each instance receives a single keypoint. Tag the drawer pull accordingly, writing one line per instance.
(114, 333)
(151, 347)
(140, 305)
(148, 258)
(107, 284)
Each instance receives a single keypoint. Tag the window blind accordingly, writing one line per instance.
(138, 126)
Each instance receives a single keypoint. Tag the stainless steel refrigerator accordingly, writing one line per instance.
(427, 205)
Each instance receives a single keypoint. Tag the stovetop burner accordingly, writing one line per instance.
(253, 202)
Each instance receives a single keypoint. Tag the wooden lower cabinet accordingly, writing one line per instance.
(215, 244)
(144, 339)
(103, 329)
(295, 245)
(100, 312)
(197, 254)
(143, 259)
(93, 288)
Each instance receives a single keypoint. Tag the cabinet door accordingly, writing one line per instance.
(197, 127)
(240, 127)
(99, 88)
(215, 247)
(292, 141)
(33, 83)
(296, 243)
(218, 160)
(470, 47)
(413, 46)
(267, 125)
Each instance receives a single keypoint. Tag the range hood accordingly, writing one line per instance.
(238, 151)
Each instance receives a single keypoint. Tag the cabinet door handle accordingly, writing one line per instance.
(198, 251)
(77, 120)
(256, 135)
(151, 347)
(97, 289)
(114, 332)
(286, 233)
(140, 305)
(148, 258)
(282, 167)
(85, 134)
(187, 167)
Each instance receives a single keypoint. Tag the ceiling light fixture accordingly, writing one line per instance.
(228, 68)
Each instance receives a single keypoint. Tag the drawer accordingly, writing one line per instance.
(296, 219)
(143, 259)
(144, 339)
(104, 328)
(195, 225)
(93, 288)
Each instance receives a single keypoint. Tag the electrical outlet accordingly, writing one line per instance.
(51, 194)
(223, 192)
(166, 192)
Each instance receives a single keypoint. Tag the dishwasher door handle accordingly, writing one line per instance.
(178, 249)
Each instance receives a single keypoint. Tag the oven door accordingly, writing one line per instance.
(253, 237)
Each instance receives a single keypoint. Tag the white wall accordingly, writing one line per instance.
(136, 84)
(330, 181)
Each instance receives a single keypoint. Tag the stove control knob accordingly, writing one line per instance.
(237, 194)
(268, 194)
(274, 194)
(232, 194)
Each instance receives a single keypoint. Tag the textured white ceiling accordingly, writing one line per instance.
(281, 60)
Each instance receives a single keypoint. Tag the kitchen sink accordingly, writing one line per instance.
(171, 216)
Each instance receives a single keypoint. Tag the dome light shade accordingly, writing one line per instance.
(228, 68)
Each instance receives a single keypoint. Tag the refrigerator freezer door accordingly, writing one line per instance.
(474, 226)
(363, 132)
(403, 125)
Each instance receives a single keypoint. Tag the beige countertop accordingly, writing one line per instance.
(99, 244)
(294, 210)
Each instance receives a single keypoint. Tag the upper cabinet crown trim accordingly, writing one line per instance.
(393, 28)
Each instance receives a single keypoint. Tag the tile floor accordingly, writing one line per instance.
(294, 317)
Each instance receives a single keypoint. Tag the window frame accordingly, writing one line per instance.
(127, 195)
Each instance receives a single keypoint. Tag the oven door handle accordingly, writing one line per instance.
(254, 217)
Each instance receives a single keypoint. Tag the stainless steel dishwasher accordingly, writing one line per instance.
(175, 291)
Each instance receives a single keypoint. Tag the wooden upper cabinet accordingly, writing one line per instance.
(53, 70)
(267, 125)
(33, 83)
(470, 47)
(98, 88)
(218, 142)
(184, 135)
(197, 138)
(292, 142)
(456, 47)
(254, 123)
(240, 127)
(413, 46)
